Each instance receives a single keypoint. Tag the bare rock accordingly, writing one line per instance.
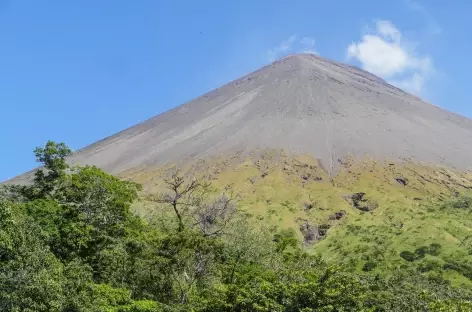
(337, 215)
(308, 206)
(360, 202)
(402, 181)
(313, 233)
(323, 229)
(310, 233)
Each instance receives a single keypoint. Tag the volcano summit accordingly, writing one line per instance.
(303, 104)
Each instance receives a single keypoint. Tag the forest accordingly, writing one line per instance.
(71, 242)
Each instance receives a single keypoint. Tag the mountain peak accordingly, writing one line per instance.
(301, 103)
(299, 55)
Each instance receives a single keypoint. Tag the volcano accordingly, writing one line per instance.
(303, 104)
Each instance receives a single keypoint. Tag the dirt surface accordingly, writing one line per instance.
(302, 104)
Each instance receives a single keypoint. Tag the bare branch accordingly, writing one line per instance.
(183, 195)
(213, 217)
(188, 199)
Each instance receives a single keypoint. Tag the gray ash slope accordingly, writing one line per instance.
(302, 104)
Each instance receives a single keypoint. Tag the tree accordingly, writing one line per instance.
(189, 199)
(53, 158)
(31, 277)
(213, 217)
(70, 242)
(182, 195)
(95, 211)
(188, 259)
(246, 243)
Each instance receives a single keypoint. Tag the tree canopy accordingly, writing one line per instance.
(69, 241)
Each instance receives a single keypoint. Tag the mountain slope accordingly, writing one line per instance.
(412, 206)
(276, 136)
(302, 104)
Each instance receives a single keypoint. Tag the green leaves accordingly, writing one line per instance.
(98, 198)
(70, 243)
(433, 249)
(53, 158)
(31, 277)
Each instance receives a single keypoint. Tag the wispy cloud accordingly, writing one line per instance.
(282, 48)
(433, 26)
(384, 52)
(293, 44)
(308, 45)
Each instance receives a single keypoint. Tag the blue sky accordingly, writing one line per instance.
(78, 71)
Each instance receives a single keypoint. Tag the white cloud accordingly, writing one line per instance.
(385, 53)
(388, 30)
(292, 45)
(413, 83)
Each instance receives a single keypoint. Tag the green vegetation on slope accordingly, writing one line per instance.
(71, 242)
(412, 208)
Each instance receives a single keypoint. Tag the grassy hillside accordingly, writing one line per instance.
(407, 207)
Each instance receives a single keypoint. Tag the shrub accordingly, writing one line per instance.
(369, 266)
(408, 256)
(420, 252)
(428, 265)
(434, 249)
(463, 203)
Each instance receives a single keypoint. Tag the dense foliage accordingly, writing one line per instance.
(70, 242)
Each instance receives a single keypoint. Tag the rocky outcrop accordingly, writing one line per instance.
(313, 233)
(359, 201)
